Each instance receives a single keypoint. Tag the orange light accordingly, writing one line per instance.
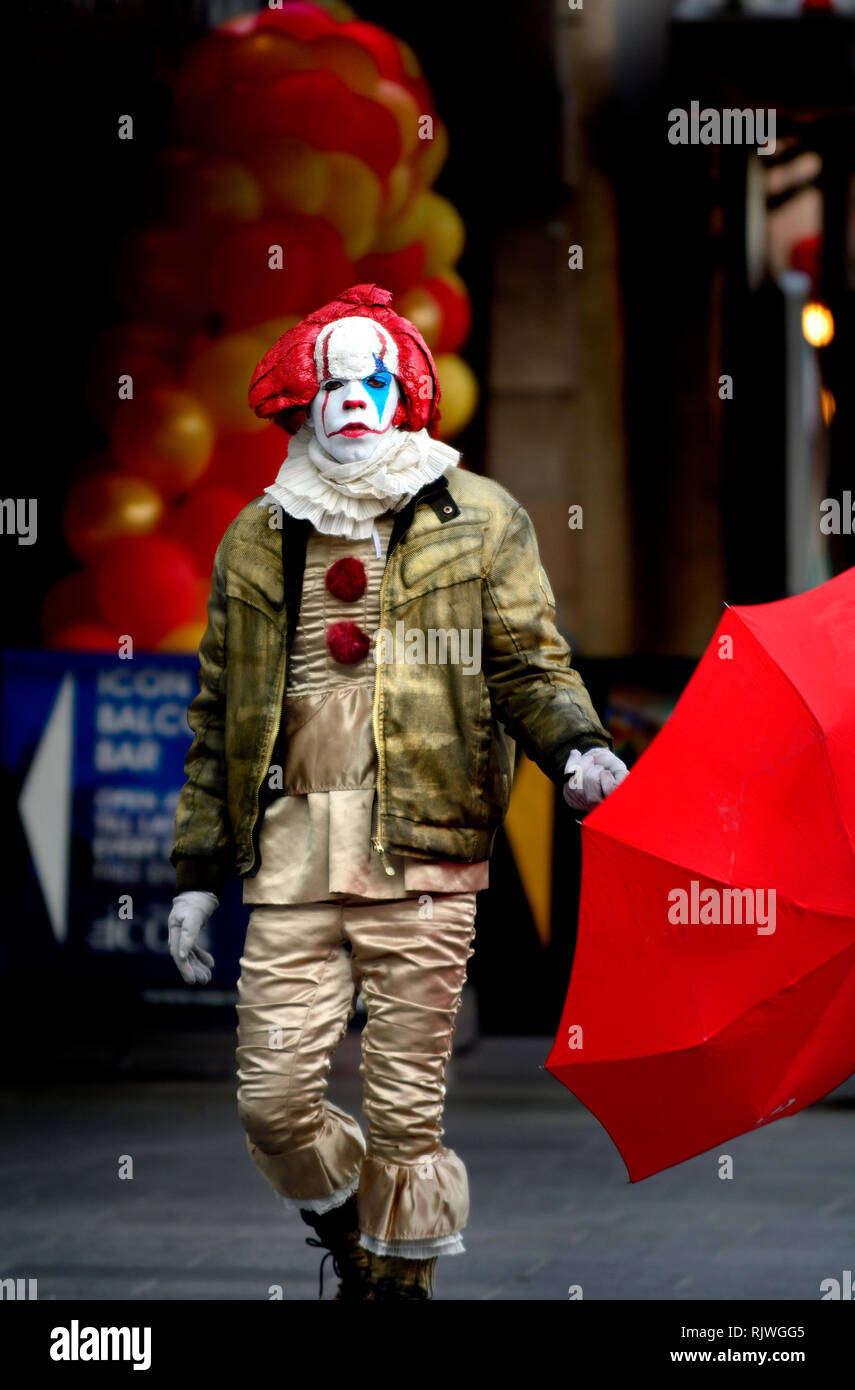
(817, 325)
(828, 405)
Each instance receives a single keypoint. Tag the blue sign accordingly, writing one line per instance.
(96, 746)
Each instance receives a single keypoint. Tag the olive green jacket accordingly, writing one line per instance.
(462, 555)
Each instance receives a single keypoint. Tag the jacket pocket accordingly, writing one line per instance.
(444, 561)
(239, 587)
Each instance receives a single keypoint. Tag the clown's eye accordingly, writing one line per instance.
(331, 385)
(376, 382)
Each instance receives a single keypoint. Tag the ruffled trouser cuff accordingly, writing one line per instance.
(323, 1169)
(321, 1205)
(423, 1201)
(414, 1249)
(415, 1209)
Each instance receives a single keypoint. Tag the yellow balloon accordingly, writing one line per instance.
(220, 377)
(421, 308)
(394, 233)
(400, 104)
(165, 437)
(400, 190)
(339, 11)
(216, 190)
(352, 204)
(347, 60)
(459, 398)
(412, 66)
(444, 234)
(104, 505)
(433, 155)
(263, 58)
(185, 638)
(293, 177)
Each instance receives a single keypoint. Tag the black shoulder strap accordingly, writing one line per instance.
(295, 537)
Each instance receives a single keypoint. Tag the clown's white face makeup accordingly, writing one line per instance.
(355, 361)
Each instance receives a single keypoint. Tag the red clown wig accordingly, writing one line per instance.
(285, 380)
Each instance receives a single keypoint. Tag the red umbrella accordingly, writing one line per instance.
(713, 987)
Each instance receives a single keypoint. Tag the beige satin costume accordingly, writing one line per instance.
(328, 922)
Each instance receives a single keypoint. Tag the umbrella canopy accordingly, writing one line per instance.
(713, 986)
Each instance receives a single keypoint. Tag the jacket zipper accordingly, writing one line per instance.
(377, 840)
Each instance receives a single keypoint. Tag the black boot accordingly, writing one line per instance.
(337, 1232)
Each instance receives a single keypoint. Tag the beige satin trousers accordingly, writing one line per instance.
(301, 971)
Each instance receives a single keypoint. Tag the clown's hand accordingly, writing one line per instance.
(190, 912)
(592, 776)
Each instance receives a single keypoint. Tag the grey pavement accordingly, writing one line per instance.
(551, 1204)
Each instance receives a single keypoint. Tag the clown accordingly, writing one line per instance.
(358, 800)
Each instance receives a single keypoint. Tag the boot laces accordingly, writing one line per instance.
(319, 1245)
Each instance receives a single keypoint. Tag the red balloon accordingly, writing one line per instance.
(299, 21)
(422, 94)
(394, 270)
(69, 601)
(146, 585)
(380, 44)
(247, 289)
(146, 373)
(302, 103)
(199, 522)
(321, 109)
(453, 300)
(234, 120)
(246, 463)
(333, 272)
(86, 637)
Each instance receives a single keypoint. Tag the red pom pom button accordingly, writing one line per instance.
(347, 643)
(346, 579)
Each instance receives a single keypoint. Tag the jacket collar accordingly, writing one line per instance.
(437, 495)
(295, 535)
(271, 559)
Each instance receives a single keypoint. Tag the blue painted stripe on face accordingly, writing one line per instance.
(379, 394)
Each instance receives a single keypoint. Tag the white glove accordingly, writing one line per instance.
(593, 775)
(190, 912)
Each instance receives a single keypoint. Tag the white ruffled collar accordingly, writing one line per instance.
(343, 499)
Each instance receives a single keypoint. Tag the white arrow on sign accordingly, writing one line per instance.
(45, 806)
